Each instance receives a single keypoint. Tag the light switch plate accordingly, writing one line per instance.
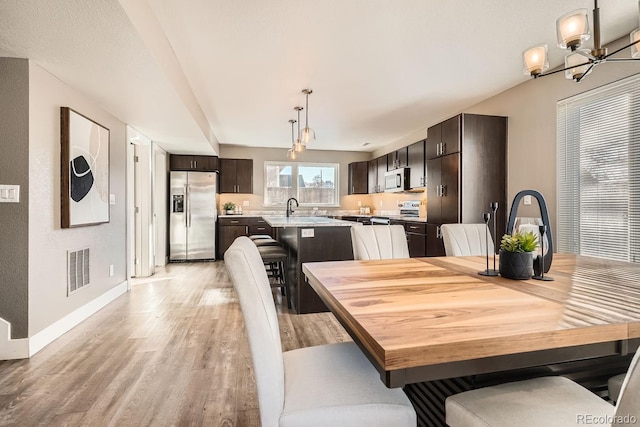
(112, 199)
(9, 194)
(527, 200)
(307, 232)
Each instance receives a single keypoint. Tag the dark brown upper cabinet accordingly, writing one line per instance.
(397, 159)
(179, 162)
(377, 169)
(358, 174)
(416, 163)
(444, 138)
(236, 176)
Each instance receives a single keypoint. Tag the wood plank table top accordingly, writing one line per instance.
(425, 318)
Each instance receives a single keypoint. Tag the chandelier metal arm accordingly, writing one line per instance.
(563, 69)
(620, 50)
(623, 59)
(585, 73)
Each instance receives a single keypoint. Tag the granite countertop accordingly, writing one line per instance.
(307, 221)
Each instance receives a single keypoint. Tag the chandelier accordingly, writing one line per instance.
(572, 30)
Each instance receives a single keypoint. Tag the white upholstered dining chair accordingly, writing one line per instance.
(545, 402)
(329, 385)
(379, 242)
(615, 385)
(466, 239)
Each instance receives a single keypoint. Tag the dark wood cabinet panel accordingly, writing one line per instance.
(377, 169)
(259, 226)
(244, 175)
(434, 204)
(179, 162)
(416, 164)
(417, 245)
(382, 169)
(236, 176)
(372, 176)
(228, 231)
(434, 243)
(449, 196)
(434, 138)
(451, 136)
(397, 159)
(358, 172)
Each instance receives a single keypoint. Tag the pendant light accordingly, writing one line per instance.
(291, 154)
(299, 146)
(573, 30)
(308, 134)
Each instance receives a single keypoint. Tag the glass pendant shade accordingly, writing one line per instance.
(308, 135)
(635, 49)
(575, 70)
(291, 154)
(573, 29)
(535, 60)
(299, 147)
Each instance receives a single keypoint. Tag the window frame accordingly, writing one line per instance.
(294, 188)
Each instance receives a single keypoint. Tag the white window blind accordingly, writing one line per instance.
(598, 143)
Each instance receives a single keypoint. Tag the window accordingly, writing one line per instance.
(599, 172)
(312, 184)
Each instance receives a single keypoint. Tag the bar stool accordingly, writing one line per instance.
(275, 259)
(260, 236)
(266, 242)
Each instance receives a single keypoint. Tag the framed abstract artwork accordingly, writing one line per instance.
(84, 170)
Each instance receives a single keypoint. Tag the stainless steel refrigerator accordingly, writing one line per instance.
(192, 216)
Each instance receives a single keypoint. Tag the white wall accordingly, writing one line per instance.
(48, 243)
(531, 109)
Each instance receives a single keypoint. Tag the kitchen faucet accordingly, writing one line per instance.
(290, 207)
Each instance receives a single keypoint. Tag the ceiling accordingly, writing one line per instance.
(190, 74)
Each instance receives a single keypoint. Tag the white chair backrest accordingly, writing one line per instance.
(249, 278)
(379, 242)
(627, 406)
(466, 239)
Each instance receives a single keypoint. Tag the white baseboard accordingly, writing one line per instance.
(57, 329)
(12, 349)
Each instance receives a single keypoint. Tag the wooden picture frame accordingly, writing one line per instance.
(84, 170)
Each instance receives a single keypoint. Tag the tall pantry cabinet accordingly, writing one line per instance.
(466, 171)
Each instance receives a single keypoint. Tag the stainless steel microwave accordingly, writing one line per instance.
(396, 180)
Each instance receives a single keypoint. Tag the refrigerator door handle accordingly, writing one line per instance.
(188, 206)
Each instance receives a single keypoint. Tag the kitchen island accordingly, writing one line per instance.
(310, 239)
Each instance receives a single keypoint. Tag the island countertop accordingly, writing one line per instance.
(307, 221)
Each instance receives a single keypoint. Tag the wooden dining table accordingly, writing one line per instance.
(424, 319)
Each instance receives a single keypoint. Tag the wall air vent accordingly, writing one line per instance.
(77, 270)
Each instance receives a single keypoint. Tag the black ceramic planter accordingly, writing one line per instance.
(516, 265)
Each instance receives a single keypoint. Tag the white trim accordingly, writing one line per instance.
(68, 322)
(12, 349)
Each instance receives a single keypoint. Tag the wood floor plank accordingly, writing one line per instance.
(172, 351)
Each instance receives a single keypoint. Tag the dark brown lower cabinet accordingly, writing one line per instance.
(416, 239)
(435, 245)
(229, 229)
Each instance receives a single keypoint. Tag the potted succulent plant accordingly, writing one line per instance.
(516, 259)
(229, 208)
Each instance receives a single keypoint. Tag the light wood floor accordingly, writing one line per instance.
(173, 351)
